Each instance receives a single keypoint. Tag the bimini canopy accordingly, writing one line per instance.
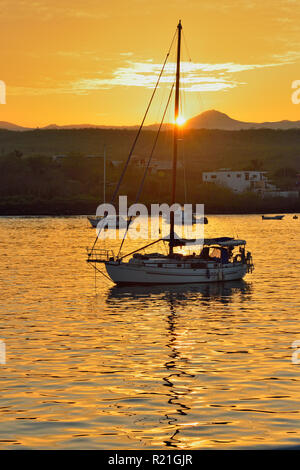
(221, 241)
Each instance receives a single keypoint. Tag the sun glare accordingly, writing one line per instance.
(180, 121)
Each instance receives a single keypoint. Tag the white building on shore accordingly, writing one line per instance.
(239, 181)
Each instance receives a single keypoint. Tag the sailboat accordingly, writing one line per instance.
(105, 221)
(218, 260)
(94, 220)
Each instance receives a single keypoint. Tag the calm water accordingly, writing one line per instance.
(186, 367)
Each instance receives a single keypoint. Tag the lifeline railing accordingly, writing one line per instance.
(99, 256)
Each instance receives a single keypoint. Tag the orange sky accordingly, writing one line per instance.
(94, 61)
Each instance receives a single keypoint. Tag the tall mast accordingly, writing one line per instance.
(175, 137)
(104, 173)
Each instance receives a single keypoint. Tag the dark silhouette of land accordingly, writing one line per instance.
(33, 180)
(210, 119)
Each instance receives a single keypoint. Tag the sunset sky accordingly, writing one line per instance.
(95, 61)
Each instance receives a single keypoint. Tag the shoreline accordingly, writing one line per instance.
(79, 207)
(86, 214)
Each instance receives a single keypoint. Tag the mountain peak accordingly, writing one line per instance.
(213, 112)
(213, 119)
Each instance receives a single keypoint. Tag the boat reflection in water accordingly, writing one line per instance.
(213, 291)
(179, 378)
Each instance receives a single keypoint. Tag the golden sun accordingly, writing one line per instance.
(180, 121)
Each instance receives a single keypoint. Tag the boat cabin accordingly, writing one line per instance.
(213, 252)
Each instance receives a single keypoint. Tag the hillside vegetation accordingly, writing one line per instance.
(31, 181)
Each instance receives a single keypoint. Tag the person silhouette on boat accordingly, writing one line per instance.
(224, 256)
(205, 253)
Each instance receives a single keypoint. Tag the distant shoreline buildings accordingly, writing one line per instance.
(246, 180)
(238, 181)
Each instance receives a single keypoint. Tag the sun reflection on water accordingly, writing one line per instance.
(194, 366)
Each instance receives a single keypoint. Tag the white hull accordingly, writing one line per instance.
(127, 273)
(99, 222)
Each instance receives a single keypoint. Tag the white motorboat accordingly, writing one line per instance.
(217, 260)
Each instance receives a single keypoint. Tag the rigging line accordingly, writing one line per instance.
(199, 97)
(181, 132)
(148, 164)
(184, 173)
(139, 249)
(154, 146)
(186, 46)
(141, 126)
(97, 269)
(138, 133)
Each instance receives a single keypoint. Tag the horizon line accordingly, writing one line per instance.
(82, 125)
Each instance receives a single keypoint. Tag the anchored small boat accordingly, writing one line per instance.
(109, 221)
(272, 217)
(216, 260)
(190, 219)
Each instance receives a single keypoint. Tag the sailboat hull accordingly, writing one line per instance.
(99, 222)
(126, 273)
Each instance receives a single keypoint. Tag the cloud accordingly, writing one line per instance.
(289, 57)
(194, 76)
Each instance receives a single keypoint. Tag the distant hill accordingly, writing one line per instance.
(85, 126)
(15, 127)
(12, 127)
(208, 149)
(211, 119)
(215, 120)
